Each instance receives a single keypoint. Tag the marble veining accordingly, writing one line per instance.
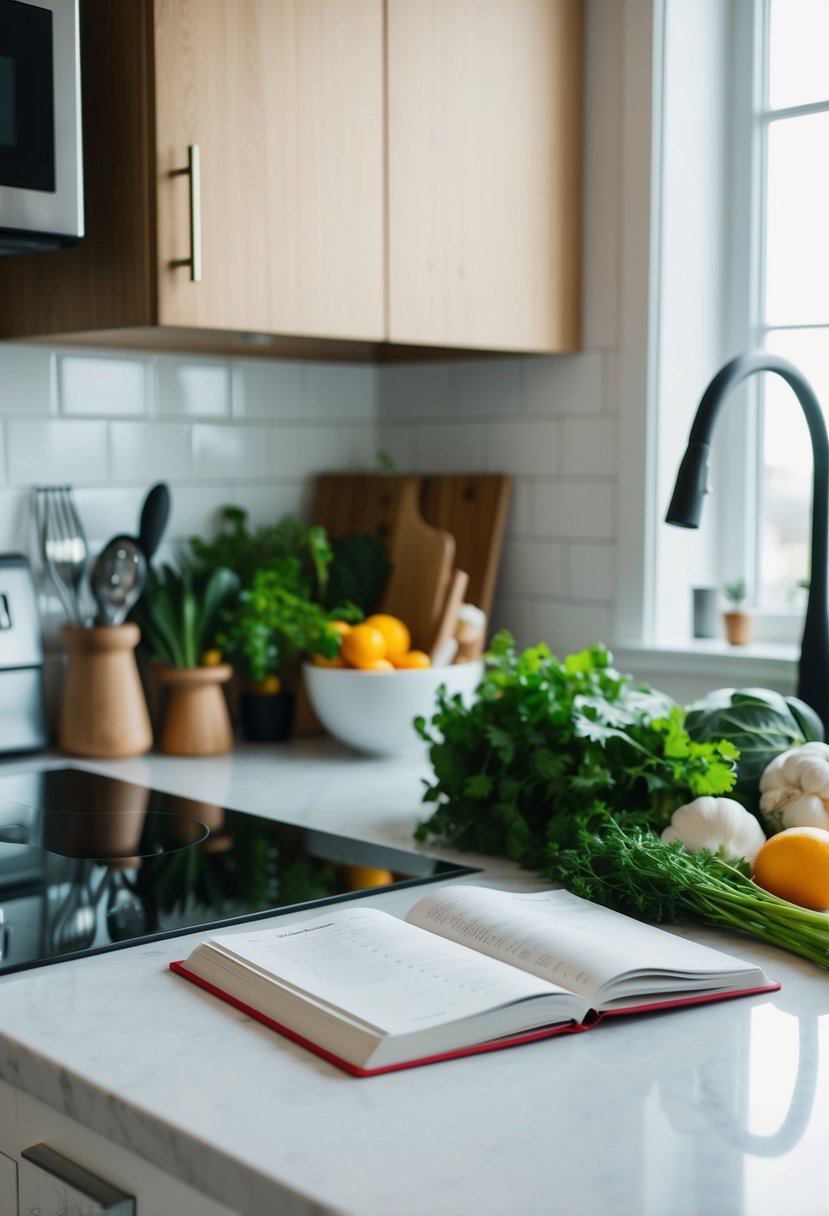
(722, 1109)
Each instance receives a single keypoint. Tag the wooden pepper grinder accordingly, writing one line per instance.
(103, 712)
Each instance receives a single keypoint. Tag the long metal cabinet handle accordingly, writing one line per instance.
(193, 171)
(109, 1199)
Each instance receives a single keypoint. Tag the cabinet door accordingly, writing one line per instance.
(285, 100)
(484, 103)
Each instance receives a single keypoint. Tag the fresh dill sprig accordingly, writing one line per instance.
(635, 872)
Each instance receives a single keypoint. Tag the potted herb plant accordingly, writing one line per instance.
(272, 624)
(178, 615)
(292, 583)
(737, 620)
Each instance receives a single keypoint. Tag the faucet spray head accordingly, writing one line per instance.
(691, 486)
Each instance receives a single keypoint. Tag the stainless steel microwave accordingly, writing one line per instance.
(41, 160)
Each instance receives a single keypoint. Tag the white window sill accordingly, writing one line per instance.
(714, 662)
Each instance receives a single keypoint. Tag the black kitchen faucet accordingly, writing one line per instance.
(692, 484)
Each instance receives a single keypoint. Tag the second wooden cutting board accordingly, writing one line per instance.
(472, 507)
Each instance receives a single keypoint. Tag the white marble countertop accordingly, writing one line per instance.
(721, 1110)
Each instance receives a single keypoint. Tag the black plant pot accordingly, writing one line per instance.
(266, 717)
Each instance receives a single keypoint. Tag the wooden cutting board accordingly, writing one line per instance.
(422, 563)
(357, 502)
(472, 507)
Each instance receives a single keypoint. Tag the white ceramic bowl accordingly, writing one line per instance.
(373, 711)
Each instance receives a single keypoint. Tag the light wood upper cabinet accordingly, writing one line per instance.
(484, 170)
(374, 174)
(285, 100)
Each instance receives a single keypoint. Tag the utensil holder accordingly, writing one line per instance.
(103, 710)
(196, 720)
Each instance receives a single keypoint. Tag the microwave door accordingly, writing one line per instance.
(41, 180)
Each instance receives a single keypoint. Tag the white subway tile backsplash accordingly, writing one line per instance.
(27, 384)
(194, 510)
(589, 447)
(104, 387)
(398, 444)
(302, 451)
(534, 568)
(108, 510)
(51, 451)
(519, 519)
(194, 388)
(147, 452)
(452, 448)
(269, 389)
(490, 387)
(231, 452)
(590, 571)
(570, 627)
(410, 391)
(564, 384)
(17, 533)
(341, 392)
(516, 615)
(527, 447)
(572, 509)
(268, 504)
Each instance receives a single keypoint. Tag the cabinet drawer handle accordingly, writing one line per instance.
(192, 170)
(112, 1201)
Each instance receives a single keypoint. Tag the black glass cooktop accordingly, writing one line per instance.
(89, 863)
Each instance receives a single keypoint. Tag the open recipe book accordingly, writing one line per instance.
(469, 970)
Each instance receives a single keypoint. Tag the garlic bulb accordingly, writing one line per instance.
(720, 825)
(794, 788)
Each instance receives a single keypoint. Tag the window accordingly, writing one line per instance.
(790, 309)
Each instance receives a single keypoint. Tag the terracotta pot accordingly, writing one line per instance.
(196, 719)
(103, 710)
(737, 627)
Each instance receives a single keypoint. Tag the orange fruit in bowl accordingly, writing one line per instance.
(321, 660)
(412, 660)
(342, 627)
(794, 864)
(397, 636)
(378, 665)
(363, 644)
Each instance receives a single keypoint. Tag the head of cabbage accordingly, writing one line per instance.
(760, 723)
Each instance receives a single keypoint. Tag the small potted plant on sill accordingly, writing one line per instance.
(178, 614)
(737, 620)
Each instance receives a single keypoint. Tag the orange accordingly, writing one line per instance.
(342, 627)
(377, 665)
(398, 638)
(412, 659)
(794, 864)
(362, 645)
(320, 660)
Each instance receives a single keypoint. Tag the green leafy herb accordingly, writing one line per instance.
(360, 568)
(273, 621)
(634, 872)
(548, 748)
(178, 611)
(240, 549)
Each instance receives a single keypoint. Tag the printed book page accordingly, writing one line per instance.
(389, 975)
(606, 957)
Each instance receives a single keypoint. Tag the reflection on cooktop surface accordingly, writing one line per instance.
(88, 863)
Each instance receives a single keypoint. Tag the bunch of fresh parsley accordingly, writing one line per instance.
(549, 749)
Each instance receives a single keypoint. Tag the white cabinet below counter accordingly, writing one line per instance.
(27, 1190)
